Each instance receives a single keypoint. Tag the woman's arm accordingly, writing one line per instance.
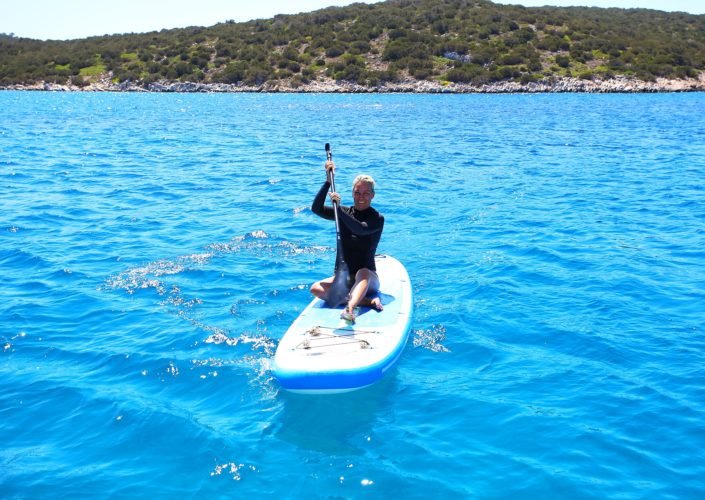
(318, 206)
(361, 228)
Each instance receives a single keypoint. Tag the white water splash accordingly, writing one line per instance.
(431, 339)
(147, 276)
(232, 469)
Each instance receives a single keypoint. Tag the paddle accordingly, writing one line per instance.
(338, 291)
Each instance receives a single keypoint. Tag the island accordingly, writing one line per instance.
(410, 46)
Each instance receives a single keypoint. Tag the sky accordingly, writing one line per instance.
(71, 19)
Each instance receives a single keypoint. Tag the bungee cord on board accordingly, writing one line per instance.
(342, 339)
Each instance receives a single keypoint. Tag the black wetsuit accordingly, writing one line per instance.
(360, 231)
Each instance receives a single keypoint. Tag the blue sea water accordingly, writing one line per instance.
(155, 247)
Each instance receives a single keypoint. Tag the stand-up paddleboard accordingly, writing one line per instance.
(322, 353)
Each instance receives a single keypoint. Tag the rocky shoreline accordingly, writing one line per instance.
(618, 84)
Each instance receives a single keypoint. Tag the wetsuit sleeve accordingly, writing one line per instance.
(318, 207)
(361, 228)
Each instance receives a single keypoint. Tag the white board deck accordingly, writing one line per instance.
(321, 353)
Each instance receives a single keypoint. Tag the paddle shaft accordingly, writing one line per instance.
(338, 291)
(329, 157)
(331, 178)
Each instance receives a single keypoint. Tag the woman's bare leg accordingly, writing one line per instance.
(365, 281)
(320, 288)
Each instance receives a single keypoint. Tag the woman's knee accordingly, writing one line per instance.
(370, 276)
(320, 288)
(363, 274)
(317, 289)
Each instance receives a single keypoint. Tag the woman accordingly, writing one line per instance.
(360, 230)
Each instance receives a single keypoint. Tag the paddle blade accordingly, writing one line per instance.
(338, 291)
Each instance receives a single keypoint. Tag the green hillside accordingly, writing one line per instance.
(468, 41)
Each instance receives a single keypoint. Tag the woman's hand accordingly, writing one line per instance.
(330, 170)
(335, 197)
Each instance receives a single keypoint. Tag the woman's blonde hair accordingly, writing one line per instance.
(366, 179)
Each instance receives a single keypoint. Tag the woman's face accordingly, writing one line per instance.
(362, 195)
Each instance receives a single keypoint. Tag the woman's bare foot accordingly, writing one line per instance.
(348, 316)
(373, 303)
